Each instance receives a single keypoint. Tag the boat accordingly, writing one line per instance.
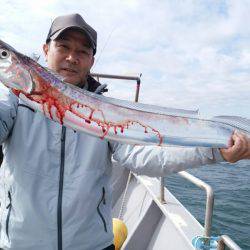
(154, 217)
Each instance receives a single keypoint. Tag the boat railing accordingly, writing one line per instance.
(224, 240)
(122, 77)
(209, 200)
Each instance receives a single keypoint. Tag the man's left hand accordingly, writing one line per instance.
(239, 148)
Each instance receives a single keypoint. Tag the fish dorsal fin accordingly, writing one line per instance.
(236, 121)
(145, 107)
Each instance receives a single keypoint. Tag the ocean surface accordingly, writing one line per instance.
(231, 185)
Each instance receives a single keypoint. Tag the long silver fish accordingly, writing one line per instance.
(110, 118)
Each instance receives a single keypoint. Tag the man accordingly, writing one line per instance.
(55, 183)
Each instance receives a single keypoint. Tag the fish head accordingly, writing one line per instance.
(14, 71)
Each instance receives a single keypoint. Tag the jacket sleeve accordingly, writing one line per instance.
(162, 161)
(8, 111)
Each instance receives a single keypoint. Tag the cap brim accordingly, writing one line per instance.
(58, 33)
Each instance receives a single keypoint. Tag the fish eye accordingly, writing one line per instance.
(4, 54)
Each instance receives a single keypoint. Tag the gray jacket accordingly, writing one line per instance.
(55, 190)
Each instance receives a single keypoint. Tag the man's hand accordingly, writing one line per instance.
(239, 148)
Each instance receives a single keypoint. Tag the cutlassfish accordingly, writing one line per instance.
(110, 118)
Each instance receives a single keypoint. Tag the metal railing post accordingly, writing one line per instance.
(162, 192)
(138, 84)
(209, 201)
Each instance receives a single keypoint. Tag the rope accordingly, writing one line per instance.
(120, 216)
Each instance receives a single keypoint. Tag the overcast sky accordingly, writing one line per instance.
(192, 54)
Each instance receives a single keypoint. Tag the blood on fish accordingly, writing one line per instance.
(91, 114)
(16, 92)
(50, 97)
(122, 129)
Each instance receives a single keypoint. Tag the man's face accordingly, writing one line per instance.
(70, 56)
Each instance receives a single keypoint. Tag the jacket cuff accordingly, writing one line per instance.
(217, 155)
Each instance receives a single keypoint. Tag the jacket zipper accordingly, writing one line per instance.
(8, 215)
(98, 209)
(26, 106)
(60, 192)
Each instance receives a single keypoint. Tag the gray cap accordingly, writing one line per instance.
(62, 23)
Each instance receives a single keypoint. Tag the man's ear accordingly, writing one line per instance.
(45, 50)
